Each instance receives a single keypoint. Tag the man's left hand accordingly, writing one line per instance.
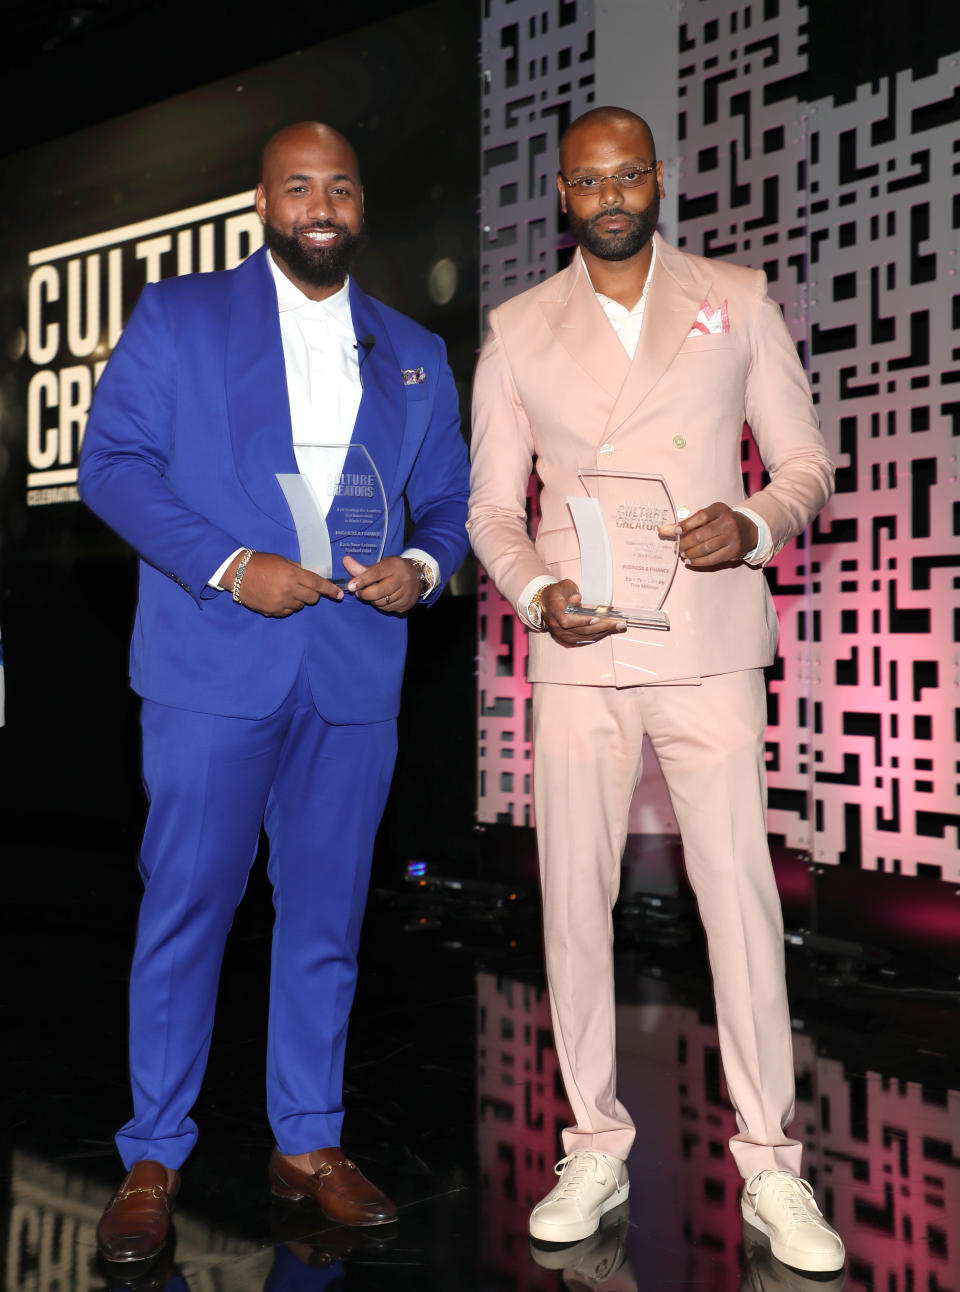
(392, 585)
(714, 535)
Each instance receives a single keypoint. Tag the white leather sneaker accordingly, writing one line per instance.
(590, 1184)
(781, 1206)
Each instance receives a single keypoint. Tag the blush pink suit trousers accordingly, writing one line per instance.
(709, 741)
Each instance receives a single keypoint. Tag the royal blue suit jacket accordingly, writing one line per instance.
(189, 427)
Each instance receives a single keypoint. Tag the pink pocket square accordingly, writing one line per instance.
(711, 322)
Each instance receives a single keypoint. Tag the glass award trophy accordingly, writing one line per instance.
(339, 510)
(626, 568)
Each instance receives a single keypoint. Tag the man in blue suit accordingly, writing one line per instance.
(270, 693)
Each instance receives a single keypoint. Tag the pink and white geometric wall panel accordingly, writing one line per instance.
(884, 232)
(852, 208)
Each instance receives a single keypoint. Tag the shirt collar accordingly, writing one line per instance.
(290, 297)
(614, 307)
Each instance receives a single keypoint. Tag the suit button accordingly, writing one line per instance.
(606, 450)
(679, 442)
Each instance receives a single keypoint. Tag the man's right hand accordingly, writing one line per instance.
(573, 630)
(275, 587)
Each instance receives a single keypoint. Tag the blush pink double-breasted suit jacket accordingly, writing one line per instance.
(555, 389)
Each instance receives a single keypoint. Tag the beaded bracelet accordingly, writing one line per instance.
(238, 577)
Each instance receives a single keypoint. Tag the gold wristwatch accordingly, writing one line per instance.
(425, 575)
(535, 608)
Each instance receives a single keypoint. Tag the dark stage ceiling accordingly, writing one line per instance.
(65, 66)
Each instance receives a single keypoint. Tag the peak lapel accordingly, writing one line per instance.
(578, 322)
(676, 294)
(256, 388)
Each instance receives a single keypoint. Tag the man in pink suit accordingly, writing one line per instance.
(641, 358)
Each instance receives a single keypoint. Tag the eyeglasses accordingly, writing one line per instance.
(632, 177)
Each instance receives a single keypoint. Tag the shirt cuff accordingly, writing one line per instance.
(764, 548)
(533, 619)
(417, 554)
(214, 580)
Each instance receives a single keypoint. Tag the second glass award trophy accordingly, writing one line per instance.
(626, 568)
(339, 509)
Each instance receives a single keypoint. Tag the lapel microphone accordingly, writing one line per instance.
(366, 344)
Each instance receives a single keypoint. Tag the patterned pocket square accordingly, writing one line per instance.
(711, 322)
(413, 376)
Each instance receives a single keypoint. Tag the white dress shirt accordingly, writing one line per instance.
(322, 362)
(627, 324)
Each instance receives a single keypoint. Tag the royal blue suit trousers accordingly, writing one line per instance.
(211, 780)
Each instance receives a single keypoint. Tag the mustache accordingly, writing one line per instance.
(612, 210)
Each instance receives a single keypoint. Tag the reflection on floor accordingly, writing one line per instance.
(454, 1106)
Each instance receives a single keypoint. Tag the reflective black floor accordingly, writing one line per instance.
(454, 1101)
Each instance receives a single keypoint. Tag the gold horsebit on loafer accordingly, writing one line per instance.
(156, 1191)
(329, 1167)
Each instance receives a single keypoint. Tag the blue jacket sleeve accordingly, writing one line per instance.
(126, 450)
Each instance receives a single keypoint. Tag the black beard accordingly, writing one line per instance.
(616, 246)
(318, 266)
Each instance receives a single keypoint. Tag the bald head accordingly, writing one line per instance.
(618, 126)
(304, 137)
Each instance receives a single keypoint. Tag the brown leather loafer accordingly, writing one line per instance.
(135, 1225)
(338, 1187)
